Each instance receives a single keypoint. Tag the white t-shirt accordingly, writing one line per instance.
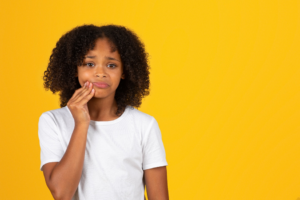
(116, 152)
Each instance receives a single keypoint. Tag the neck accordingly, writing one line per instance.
(102, 109)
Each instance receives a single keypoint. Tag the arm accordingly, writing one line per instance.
(62, 178)
(156, 183)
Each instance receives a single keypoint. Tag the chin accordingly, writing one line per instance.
(100, 94)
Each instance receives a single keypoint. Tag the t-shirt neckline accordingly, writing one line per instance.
(106, 122)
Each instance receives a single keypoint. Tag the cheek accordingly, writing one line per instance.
(85, 73)
(116, 80)
(117, 76)
(84, 76)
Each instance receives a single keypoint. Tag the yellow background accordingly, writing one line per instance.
(224, 90)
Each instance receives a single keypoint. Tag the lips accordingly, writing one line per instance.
(101, 84)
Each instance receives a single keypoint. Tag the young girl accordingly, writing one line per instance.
(97, 146)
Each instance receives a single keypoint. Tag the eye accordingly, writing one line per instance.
(87, 64)
(112, 65)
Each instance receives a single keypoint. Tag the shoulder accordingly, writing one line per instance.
(143, 120)
(141, 116)
(56, 115)
(56, 112)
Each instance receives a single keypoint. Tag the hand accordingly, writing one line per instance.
(78, 103)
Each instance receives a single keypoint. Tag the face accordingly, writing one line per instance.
(102, 65)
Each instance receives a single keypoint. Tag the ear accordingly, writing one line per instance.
(123, 76)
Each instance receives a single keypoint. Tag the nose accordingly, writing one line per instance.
(100, 72)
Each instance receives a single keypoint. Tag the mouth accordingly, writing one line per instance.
(100, 84)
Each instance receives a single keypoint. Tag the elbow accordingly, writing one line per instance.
(61, 196)
(60, 190)
(57, 195)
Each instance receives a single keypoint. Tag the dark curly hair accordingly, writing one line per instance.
(75, 44)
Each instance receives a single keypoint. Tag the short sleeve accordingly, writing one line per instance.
(154, 154)
(48, 133)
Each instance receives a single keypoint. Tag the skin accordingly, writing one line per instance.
(97, 67)
(156, 183)
(102, 106)
(62, 177)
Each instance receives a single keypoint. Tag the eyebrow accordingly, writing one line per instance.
(107, 57)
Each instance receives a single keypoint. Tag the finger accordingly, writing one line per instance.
(85, 92)
(82, 90)
(88, 95)
(77, 93)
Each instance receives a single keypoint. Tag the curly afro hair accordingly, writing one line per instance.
(75, 44)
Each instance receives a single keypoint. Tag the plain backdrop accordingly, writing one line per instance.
(224, 90)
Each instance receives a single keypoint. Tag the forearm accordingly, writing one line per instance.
(156, 183)
(66, 175)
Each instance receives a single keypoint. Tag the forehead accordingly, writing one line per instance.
(104, 45)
